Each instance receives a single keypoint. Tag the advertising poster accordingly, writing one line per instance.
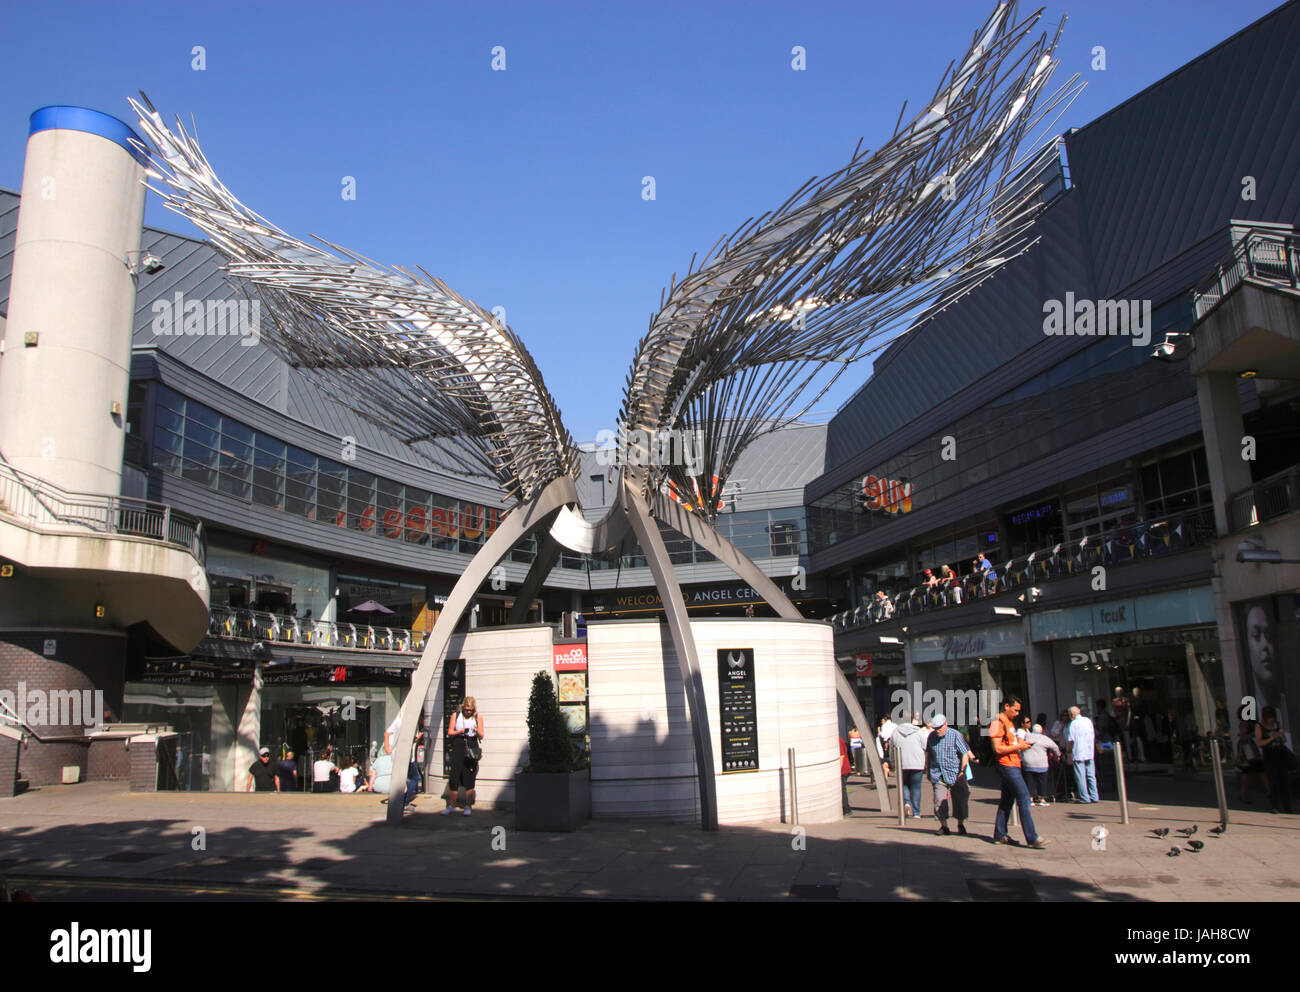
(736, 699)
(453, 695)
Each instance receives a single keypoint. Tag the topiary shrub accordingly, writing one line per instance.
(549, 747)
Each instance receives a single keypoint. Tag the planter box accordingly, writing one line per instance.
(559, 801)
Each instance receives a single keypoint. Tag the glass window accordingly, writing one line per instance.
(171, 400)
(361, 500)
(389, 512)
(417, 515)
(197, 413)
(169, 419)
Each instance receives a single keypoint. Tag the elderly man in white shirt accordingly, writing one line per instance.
(1082, 738)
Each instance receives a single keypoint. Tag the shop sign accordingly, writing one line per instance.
(1177, 608)
(570, 657)
(973, 644)
(863, 665)
(888, 495)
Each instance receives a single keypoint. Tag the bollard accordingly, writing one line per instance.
(897, 762)
(1218, 781)
(1119, 778)
(794, 789)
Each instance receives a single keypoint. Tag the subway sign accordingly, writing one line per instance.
(887, 495)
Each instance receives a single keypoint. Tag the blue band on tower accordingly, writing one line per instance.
(89, 121)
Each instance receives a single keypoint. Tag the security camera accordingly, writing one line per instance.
(1173, 347)
(151, 263)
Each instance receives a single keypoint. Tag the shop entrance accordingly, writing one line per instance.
(312, 729)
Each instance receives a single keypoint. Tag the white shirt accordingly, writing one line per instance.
(469, 727)
(1081, 736)
(322, 770)
(348, 780)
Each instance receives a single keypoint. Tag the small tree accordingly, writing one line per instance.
(549, 747)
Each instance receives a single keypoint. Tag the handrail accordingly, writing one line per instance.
(1119, 546)
(1267, 255)
(9, 716)
(262, 625)
(32, 498)
(1264, 500)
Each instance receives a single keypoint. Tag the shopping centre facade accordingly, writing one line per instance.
(1108, 489)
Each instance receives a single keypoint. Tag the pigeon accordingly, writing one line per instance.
(1187, 831)
(1219, 831)
(1173, 852)
(1161, 831)
(1195, 845)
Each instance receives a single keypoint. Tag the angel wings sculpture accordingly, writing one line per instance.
(741, 346)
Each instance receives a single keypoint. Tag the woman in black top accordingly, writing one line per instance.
(1277, 759)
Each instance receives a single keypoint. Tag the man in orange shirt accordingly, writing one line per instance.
(1006, 749)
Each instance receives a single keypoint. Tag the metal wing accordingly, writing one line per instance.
(775, 313)
(401, 349)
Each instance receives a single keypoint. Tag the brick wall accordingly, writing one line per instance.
(81, 661)
(42, 763)
(109, 760)
(8, 766)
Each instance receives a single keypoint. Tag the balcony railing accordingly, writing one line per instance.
(277, 628)
(1121, 546)
(1267, 499)
(37, 501)
(1270, 256)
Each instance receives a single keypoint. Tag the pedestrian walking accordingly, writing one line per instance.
(1250, 759)
(947, 756)
(910, 741)
(1036, 763)
(412, 768)
(262, 772)
(855, 748)
(1083, 742)
(845, 770)
(287, 773)
(1278, 759)
(1008, 748)
(883, 735)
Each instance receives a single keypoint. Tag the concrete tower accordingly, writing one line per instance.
(67, 344)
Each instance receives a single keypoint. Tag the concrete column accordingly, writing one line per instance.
(1221, 424)
(72, 288)
(225, 717)
(1041, 678)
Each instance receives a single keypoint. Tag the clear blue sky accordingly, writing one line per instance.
(522, 188)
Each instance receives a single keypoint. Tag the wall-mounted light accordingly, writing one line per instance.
(31, 339)
(116, 409)
(1248, 373)
(146, 262)
(100, 611)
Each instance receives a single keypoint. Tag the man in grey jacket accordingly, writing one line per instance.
(910, 741)
(1034, 763)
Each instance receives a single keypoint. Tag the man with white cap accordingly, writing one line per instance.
(946, 756)
(263, 773)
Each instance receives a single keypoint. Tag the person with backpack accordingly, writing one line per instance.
(1007, 748)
